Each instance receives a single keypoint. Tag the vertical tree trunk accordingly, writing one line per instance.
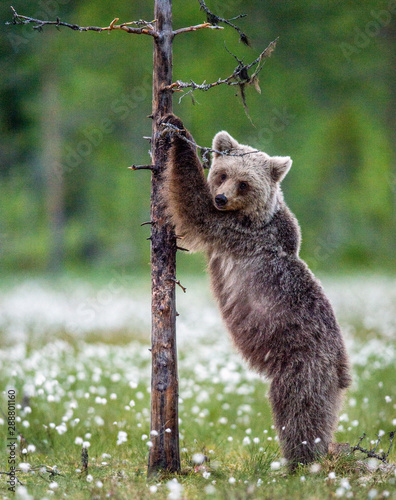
(164, 453)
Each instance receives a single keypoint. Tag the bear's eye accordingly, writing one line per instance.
(243, 186)
(223, 177)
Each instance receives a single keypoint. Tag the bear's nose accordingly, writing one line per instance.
(221, 200)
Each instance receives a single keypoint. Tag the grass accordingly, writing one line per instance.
(91, 383)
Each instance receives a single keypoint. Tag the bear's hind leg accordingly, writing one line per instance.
(305, 407)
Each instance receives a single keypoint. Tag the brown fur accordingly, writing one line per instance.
(275, 309)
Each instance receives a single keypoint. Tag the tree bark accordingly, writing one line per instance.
(164, 452)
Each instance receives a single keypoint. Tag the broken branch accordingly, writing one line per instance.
(145, 29)
(197, 27)
(214, 19)
(204, 151)
(240, 76)
(371, 453)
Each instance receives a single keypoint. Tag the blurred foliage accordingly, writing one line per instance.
(328, 100)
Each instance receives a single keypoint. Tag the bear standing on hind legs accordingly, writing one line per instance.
(274, 308)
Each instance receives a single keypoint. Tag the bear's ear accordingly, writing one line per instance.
(280, 165)
(222, 141)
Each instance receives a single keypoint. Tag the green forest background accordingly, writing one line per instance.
(74, 106)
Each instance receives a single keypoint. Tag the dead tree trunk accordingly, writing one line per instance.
(164, 453)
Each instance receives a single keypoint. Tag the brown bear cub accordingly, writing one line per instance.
(274, 308)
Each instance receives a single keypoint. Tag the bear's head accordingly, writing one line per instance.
(244, 179)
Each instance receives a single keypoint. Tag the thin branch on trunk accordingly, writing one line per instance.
(197, 27)
(204, 151)
(146, 29)
(215, 20)
(240, 76)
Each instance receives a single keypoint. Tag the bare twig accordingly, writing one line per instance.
(146, 28)
(204, 151)
(215, 20)
(180, 285)
(371, 453)
(142, 167)
(240, 76)
(197, 27)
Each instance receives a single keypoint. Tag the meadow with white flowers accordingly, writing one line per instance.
(77, 355)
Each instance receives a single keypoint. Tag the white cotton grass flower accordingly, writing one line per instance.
(153, 488)
(53, 486)
(315, 468)
(275, 465)
(332, 475)
(317, 440)
(24, 466)
(86, 444)
(153, 433)
(99, 484)
(246, 441)
(78, 440)
(21, 492)
(175, 489)
(210, 489)
(89, 478)
(388, 399)
(206, 475)
(232, 480)
(122, 437)
(198, 458)
(372, 493)
(149, 444)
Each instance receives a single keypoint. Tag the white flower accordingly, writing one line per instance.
(168, 430)
(99, 420)
(89, 478)
(206, 475)
(332, 475)
(62, 428)
(132, 403)
(380, 434)
(210, 489)
(317, 440)
(315, 468)
(339, 492)
(149, 444)
(24, 466)
(388, 399)
(372, 493)
(122, 437)
(246, 440)
(153, 433)
(256, 440)
(22, 493)
(78, 440)
(344, 483)
(113, 395)
(175, 488)
(53, 486)
(232, 480)
(302, 478)
(99, 484)
(86, 444)
(198, 458)
(275, 465)
(230, 438)
(26, 424)
(153, 488)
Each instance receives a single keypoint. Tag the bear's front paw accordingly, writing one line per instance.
(173, 120)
